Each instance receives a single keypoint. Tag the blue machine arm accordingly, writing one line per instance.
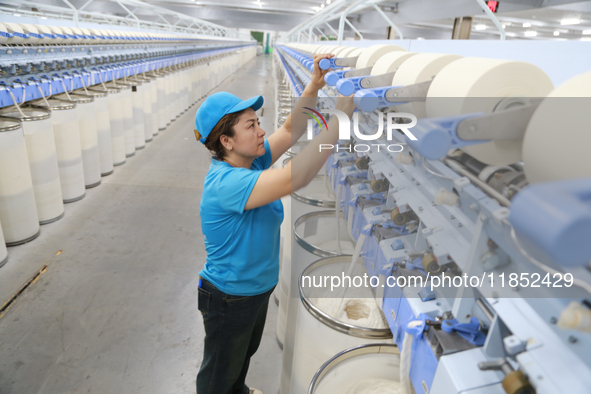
(368, 100)
(325, 64)
(348, 86)
(436, 136)
(331, 78)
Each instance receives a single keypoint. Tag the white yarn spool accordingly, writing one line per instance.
(154, 105)
(31, 29)
(420, 68)
(137, 95)
(370, 55)
(172, 93)
(42, 29)
(473, 85)
(390, 62)
(66, 131)
(128, 129)
(18, 211)
(58, 31)
(68, 31)
(195, 85)
(3, 29)
(3, 250)
(88, 34)
(88, 138)
(146, 93)
(557, 140)
(42, 156)
(331, 48)
(96, 33)
(345, 51)
(318, 49)
(185, 82)
(103, 128)
(162, 106)
(15, 28)
(177, 94)
(117, 125)
(178, 107)
(355, 52)
(168, 81)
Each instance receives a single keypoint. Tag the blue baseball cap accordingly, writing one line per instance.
(217, 106)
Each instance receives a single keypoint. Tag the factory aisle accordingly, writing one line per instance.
(116, 309)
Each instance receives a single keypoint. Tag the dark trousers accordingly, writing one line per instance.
(233, 331)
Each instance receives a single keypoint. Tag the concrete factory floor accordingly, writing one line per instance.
(116, 309)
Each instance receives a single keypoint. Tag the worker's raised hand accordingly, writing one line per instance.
(345, 104)
(317, 80)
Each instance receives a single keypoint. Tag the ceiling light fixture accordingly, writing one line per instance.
(586, 32)
(504, 25)
(531, 33)
(556, 33)
(328, 1)
(322, 5)
(43, 17)
(570, 21)
(586, 39)
(527, 24)
(480, 27)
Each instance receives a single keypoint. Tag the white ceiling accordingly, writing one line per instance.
(416, 18)
(544, 22)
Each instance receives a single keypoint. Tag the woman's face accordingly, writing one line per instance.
(248, 140)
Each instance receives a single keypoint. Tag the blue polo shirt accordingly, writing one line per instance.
(242, 246)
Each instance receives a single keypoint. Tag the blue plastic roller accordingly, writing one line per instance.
(348, 86)
(331, 78)
(368, 100)
(326, 64)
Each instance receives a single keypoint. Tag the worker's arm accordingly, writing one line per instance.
(273, 184)
(296, 123)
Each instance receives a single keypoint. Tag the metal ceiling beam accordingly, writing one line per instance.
(353, 28)
(333, 11)
(318, 18)
(343, 18)
(389, 21)
(129, 13)
(321, 32)
(331, 28)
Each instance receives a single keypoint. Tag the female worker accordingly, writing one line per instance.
(240, 218)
